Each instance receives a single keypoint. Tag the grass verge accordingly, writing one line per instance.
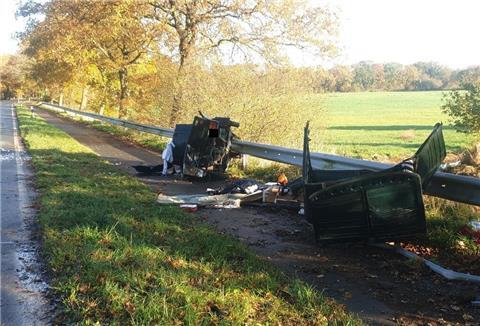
(118, 258)
(450, 241)
(263, 170)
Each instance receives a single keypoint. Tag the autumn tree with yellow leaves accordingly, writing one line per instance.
(162, 60)
(112, 36)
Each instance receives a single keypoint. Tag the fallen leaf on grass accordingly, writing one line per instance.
(175, 263)
(130, 307)
(84, 288)
(91, 304)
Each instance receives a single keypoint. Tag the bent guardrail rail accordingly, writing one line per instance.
(444, 185)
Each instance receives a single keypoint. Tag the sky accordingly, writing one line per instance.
(407, 31)
(382, 31)
(8, 26)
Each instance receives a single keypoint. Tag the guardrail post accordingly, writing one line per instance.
(244, 161)
(83, 103)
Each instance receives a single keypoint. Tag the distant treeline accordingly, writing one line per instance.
(369, 76)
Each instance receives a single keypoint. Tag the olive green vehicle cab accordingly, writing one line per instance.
(347, 205)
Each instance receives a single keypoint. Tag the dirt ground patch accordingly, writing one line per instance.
(380, 286)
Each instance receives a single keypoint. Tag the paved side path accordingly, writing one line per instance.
(22, 300)
(120, 153)
(114, 150)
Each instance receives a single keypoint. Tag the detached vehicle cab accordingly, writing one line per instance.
(204, 146)
(346, 205)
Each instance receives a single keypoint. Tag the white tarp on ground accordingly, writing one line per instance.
(201, 199)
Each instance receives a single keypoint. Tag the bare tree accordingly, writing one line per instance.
(258, 30)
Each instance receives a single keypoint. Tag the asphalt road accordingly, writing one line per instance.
(23, 290)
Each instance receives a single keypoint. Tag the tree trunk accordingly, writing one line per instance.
(177, 95)
(83, 103)
(122, 78)
(60, 99)
(176, 108)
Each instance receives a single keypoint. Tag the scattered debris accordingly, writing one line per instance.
(472, 230)
(282, 179)
(225, 200)
(190, 208)
(447, 273)
(450, 165)
(475, 225)
(240, 193)
(148, 169)
(242, 186)
(466, 163)
(341, 204)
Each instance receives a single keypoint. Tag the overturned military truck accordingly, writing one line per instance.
(346, 205)
(203, 146)
(196, 149)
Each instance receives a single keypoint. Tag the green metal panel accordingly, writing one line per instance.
(361, 204)
(430, 155)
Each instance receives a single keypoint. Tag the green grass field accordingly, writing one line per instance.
(380, 125)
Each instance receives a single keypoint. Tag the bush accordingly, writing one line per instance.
(464, 107)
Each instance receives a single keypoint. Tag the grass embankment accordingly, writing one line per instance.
(117, 257)
(449, 239)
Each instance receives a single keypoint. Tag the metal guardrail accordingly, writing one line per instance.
(165, 132)
(445, 185)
